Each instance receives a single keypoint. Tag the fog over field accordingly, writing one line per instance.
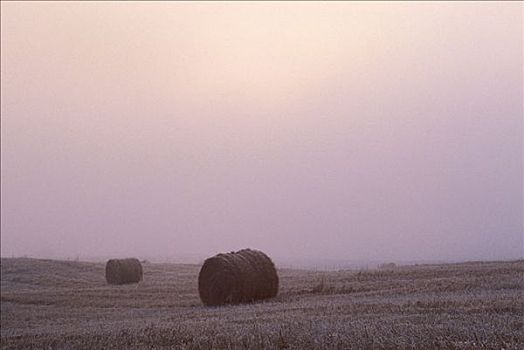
(314, 132)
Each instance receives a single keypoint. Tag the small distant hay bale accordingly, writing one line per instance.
(237, 277)
(123, 271)
(387, 266)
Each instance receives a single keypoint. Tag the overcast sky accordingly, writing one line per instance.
(353, 131)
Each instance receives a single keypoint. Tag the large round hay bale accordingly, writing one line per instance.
(122, 271)
(240, 277)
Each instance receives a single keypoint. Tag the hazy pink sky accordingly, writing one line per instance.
(356, 131)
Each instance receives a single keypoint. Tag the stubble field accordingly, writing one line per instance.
(49, 304)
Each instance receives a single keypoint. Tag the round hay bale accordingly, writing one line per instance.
(122, 271)
(237, 277)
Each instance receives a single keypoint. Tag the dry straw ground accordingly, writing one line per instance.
(68, 305)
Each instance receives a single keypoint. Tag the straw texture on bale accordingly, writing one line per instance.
(122, 271)
(237, 277)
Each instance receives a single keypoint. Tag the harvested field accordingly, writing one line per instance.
(68, 305)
